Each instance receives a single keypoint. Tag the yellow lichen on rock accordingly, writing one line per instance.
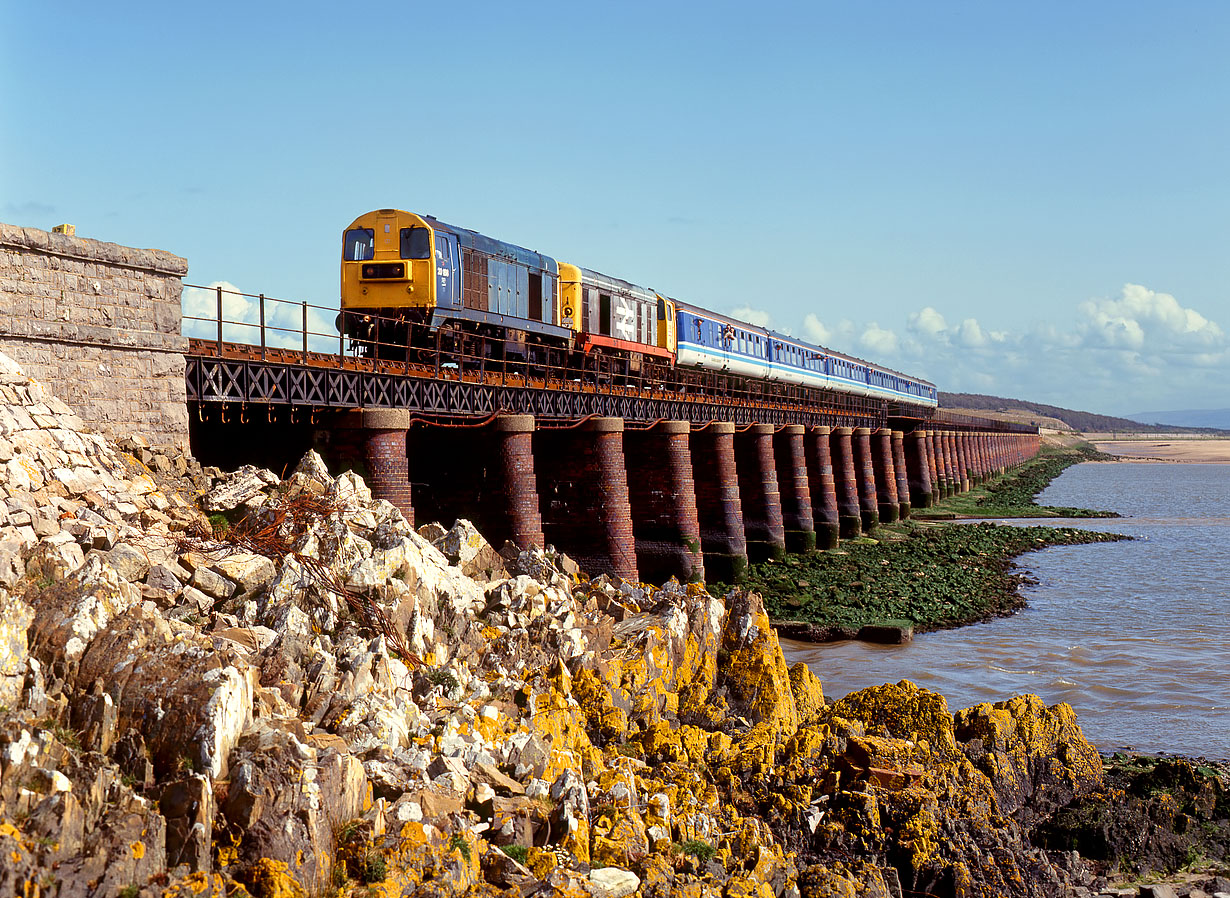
(1030, 752)
(272, 879)
(844, 879)
(808, 693)
(558, 718)
(618, 837)
(755, 671)
(606, 721)
(540, 862)
(904, 711)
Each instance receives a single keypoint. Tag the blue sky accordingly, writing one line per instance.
(1022, 199)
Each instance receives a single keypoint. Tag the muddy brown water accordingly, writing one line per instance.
(1134, 635)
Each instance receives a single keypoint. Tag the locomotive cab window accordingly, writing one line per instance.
(415, 243)
(359, 245)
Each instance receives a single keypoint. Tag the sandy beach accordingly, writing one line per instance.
(1195, 451)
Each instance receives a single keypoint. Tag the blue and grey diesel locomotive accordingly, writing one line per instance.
(413, 268)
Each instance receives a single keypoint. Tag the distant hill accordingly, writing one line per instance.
(1195, 417)
(1055, 418)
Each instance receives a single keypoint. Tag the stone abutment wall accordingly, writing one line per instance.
(99, 324)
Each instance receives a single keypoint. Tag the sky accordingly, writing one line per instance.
(1023, 199)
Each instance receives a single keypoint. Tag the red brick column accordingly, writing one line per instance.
(947, 443)
(381, 437)
(942, 480)
(795, 488)
(976, 469)
(822, 487)
(662, 494)
(584, 501)
(759, 493)
(845, 475)
(864, 466)
(521, 519)
(965, 460)
(949, 440)
(903, 480)
(884, 470)
(918, 471)
(972, 460)
(718, 507)
(933, 467)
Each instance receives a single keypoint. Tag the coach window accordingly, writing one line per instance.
(415, 243)
(359, 245)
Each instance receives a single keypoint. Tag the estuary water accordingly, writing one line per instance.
(1134, 635)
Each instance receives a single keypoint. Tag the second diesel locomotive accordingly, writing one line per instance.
(400, 269)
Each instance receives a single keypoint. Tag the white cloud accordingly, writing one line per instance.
(758, 317)
(971, 334)
(877, 339)
(928, 321)
(241, 315)
(1143, 319)
(200, 310)
(1115, 355)
(815, 331)
(843, 333)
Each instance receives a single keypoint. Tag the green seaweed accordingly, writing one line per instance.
(1014, 494)
(935, 576)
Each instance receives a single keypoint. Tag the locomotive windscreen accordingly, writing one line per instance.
(359, 245)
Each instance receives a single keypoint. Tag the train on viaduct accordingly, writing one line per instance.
(633, 466)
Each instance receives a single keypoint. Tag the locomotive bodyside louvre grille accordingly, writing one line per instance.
(475, 280)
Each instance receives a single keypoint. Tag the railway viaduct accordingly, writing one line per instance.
(631, 476)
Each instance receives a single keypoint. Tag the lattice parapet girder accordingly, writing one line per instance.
(225, 381)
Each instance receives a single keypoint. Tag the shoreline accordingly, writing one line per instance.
(1196, 451)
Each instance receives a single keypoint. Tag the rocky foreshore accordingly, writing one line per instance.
(276, 687)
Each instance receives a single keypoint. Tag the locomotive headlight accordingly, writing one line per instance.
(568, 311)
(384, 270)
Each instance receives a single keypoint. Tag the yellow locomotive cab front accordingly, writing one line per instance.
(387, 264)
